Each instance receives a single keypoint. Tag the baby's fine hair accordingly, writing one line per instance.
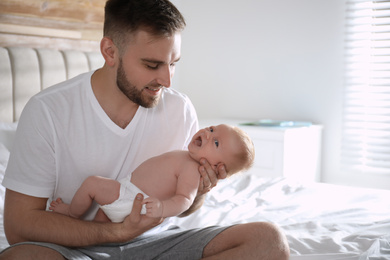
(244, 154)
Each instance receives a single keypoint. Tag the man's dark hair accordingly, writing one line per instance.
(123, 17)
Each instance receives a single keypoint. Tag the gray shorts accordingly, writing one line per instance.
(171, 245)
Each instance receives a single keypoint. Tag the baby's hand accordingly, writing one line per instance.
(154, 207)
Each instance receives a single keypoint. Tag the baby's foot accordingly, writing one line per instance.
(59, 206)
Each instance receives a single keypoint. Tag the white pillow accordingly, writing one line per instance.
(7, 134)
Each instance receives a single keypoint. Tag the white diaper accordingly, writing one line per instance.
(121, 208)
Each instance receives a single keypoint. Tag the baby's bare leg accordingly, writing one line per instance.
(102, 190)
(101, 217)
(60, 207)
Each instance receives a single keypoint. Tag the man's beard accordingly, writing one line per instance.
(132, 92)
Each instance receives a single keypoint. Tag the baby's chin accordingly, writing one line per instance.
(193, 154)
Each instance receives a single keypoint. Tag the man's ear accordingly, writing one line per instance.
(109, 51)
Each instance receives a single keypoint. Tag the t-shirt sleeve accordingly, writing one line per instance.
(31, 168)
(191, 121)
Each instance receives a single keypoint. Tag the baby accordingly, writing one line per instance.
(169, 182)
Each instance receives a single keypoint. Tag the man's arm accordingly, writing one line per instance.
(25, 219)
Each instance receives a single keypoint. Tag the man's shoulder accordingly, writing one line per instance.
(63, 93)
(177, 100)
(170, 93)
(65, 87)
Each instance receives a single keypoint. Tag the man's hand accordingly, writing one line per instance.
(135, 224)
(210, 176)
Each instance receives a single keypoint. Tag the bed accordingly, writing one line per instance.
(321, 221)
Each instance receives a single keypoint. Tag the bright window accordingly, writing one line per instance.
(366, 122)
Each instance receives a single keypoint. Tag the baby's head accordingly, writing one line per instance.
(223, 144)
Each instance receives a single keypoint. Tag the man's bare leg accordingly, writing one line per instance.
(258, 241)
(30, 252)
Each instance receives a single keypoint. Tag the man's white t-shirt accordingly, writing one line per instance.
(64, 136)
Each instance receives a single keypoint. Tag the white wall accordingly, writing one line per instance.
(256, 59)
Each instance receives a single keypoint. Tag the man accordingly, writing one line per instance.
(106, 123)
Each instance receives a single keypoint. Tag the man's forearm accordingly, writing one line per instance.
(63, 230)
(25, 219)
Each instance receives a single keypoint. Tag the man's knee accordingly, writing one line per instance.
(30, 252)
(278, 247)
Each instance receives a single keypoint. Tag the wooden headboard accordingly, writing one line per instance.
(26, 71)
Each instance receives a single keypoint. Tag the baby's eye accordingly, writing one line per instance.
(216, 143)
(211, 129)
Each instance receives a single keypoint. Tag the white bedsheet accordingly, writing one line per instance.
(321, 221)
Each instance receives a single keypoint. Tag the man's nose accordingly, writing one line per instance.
(165, 76)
